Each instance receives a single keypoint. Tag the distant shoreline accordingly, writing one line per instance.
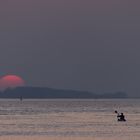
(50, 93)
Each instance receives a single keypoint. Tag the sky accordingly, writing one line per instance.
(89, 45)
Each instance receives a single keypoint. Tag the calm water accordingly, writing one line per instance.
(95, 118)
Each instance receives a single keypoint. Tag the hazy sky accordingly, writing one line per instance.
(75, 44)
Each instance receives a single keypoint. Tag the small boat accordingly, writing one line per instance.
(120, 116)
(121, 120)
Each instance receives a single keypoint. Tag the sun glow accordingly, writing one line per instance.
(11, 81)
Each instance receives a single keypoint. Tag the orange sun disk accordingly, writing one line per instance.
(11, 81)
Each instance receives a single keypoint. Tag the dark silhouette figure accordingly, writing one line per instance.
(21, 98)
(121, 117)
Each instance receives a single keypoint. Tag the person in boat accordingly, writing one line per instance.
(121, 117)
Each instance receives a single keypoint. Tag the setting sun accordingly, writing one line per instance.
(11, 81)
